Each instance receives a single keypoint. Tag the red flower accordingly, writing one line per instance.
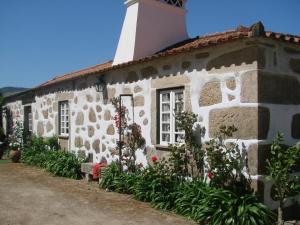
(154, 158)
(210, 174)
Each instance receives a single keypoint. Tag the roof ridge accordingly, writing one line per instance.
(255, 30)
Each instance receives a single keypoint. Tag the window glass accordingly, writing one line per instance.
(171, 101)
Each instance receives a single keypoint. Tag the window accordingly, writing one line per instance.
(27, 120)
(64, 118)
(170, 101)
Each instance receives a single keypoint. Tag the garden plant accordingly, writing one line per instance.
(208, 193)
(281, 168)
(45, 153)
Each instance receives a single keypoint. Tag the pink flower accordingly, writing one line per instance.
(210, 174)
(154, 158)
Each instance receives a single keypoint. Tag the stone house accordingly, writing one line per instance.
(247, 77)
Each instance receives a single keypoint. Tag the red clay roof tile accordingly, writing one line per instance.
(188, 45)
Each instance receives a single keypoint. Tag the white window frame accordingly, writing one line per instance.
(64, 118)
(171, 112)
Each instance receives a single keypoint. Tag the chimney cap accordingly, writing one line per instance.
(176, 3)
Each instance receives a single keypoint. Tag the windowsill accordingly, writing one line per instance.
(63, 136)
(163, 148)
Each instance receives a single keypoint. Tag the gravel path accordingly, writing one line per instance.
(30, 196)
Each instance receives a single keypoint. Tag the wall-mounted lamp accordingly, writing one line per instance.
(100, 85)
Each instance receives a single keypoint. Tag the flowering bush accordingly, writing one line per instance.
(154, 158)
(132, 138)
(16, 138)
(226, 163)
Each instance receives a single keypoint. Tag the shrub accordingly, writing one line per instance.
(219, 207)
(189, 195)
(45, 153)
(226, 163)
(280, 167)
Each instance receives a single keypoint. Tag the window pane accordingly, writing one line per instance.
(166, 127)
(166, 107)
(178, 107)
(166, 97)
(166, 137)
(166, 117)
(179, 96)
(179, 138)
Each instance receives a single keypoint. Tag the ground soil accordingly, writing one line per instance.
(30, 196)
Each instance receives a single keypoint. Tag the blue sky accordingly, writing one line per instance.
(40, 39)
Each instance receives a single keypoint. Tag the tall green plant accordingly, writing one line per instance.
(280, 167)
(226, 163)
(220, 207)
(44, 153)
(187, 158)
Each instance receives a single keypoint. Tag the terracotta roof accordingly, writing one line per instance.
(256, 30)
(78, 73)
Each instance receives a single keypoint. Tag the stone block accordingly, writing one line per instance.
(45, 114)
(269, 88)
(110, 130)
(149, 71)
(186, 64)
(96, 145)
(166, 67)
(210, 94)
(295, 65)
(79, 119)
(132, 77)
(296, 126)
(127, 91)
(141, 113)
(107, 115)
(89, 98)
(49, 126)
(231, 84)
(92, 116)
(257, 158)
(202, 55)
(139, 101)
(78, 142)
(98, 108)
(278, 89)
(145, 122)
(259, 189)
(111, 92)
(87, 145)
(91, 131)
(137, 89)
(40, 129)
(291, 51)
(246, 55)
(249, 87)
(251, 122)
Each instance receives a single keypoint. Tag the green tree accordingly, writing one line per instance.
(280, 167)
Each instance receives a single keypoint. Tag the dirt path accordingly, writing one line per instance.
(30, 196)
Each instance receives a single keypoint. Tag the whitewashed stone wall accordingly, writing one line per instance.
(252, 84)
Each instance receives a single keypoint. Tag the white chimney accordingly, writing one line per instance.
(150, 26)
